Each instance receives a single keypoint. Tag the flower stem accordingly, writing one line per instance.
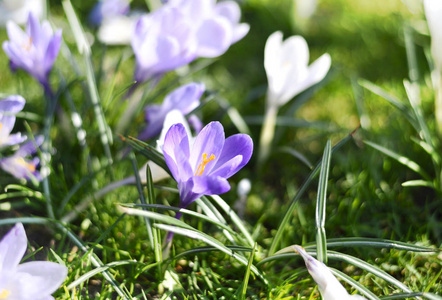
(46, 147)
(267, 133)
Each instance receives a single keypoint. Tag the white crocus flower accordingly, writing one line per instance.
(288, 74)
(17, 11)
(433, 13)
(329, 287)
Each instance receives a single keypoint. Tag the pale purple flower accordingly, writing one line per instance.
(185, 99)
(9, 107)
(35, 280)
(106, 9)
(204, 167)
(35, 50)
(329, 287)
(19, 166)
(182, 30)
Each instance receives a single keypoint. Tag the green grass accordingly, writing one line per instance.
(110, 251)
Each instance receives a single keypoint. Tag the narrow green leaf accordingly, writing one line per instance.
(148, 151)
(399, 158)
(374, 243)
(234, 217)
(98, 270)
(292, 205)
(321, 199)
(362, 289)
(392, 100)
(198, 235)
(247, 274)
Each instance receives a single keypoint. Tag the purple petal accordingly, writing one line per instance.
(12, 247)
(52, 50)
(176, 143)
(40, 278)
(230, 10)
(195, 122)
(235, 146)
(185, 98)
(210, 141)
(187, 196)
(12, 104)
(214, 37)
(21, 168)
(33, 29)
(30, 147)
(210, 185)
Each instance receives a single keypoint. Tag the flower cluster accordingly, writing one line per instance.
(182, 30)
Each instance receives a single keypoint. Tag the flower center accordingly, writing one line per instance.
(202, 165)
(4, 294)
(30, 167)
(28, 45)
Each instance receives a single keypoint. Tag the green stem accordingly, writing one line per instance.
(267, 133)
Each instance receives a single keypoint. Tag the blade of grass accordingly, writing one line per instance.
(362, 289)
(247, 274)
(198, 235)
(142, 199)
(298, 196)
(401, 159)
(234, 217)
(392, 100)
(84, 49)
(372, 242)
(321, 241)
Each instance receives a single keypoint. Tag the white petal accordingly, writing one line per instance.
(433, 13)
(329, 286)
(39, 278)
(13, 247)
(117, 30)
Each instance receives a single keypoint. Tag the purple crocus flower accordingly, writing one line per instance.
(9, 107)
(35, 50)
(203, 168)
(21, 167)
(185, 99)
(107, 9)
(182, 30)
(31, 280)
(162, 41)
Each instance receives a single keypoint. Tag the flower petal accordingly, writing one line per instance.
(214, 37)
(236, 153)
(12, 247)
(176, 152)
(329, 286)
(210, 185)
(210, 141)
(40, 278)
(12, 104)
(185, 98)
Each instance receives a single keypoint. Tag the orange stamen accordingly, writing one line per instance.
(28, 166)
(202, 165)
